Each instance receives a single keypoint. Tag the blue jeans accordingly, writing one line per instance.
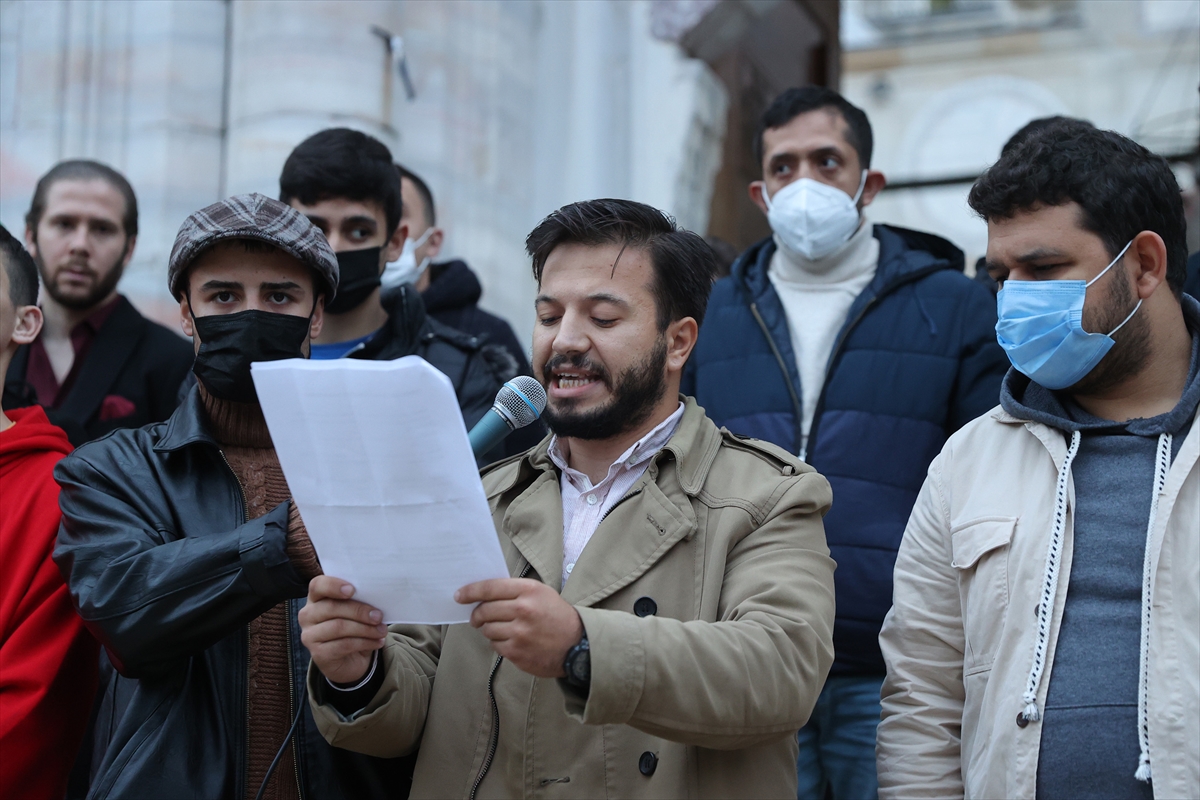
(837, 746)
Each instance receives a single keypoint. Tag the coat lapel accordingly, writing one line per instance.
(533, 524)
(113, 346)
(634, 535)
(652, 517)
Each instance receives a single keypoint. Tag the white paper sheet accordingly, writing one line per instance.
(377, 459)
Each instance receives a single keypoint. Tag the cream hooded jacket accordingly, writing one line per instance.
(960, 638)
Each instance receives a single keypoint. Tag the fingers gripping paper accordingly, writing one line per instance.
(377, 459)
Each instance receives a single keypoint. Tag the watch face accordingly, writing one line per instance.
(581, 666)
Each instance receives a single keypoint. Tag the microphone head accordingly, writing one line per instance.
(520, 401)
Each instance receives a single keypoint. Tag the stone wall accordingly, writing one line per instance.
(520, 108)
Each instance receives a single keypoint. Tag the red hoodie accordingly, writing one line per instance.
(47, 659)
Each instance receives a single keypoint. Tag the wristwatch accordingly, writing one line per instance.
(578, 666)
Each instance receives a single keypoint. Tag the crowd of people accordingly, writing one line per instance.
(843, 523)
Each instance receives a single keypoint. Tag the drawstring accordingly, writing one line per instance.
(1050, 589)
(1049, 585)
(1162, 463)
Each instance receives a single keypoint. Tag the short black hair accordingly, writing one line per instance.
(1035, 125)
(423, 190)
(341, 162)
(1121, 187)
(800, 100)
(22, 272)
(684, 264)
(82, 169)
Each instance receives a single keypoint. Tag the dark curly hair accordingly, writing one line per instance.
(684, 265)
(1121, 187)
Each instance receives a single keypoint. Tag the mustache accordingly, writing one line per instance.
(580, 362)
(76, 265)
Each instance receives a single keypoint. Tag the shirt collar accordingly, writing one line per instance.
(95, 321)
(638, 453)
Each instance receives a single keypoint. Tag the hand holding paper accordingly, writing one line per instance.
(377, 459)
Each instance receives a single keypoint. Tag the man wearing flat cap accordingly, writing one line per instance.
(184, 554)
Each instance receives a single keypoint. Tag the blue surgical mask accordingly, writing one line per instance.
(1040, 326)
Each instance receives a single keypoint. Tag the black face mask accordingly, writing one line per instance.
(358, 276)
(229, 343)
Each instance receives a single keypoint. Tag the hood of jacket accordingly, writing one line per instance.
(903, 255)
(452, 285)
(401, 334)
(31, 432)
(1026, 400)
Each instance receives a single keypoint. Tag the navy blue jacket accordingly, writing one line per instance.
(916, 359)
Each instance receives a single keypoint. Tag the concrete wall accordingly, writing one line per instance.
(520, 107)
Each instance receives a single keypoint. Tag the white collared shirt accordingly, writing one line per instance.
(584, 504)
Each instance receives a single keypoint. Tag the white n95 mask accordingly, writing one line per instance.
(812, 218)
(405, 269)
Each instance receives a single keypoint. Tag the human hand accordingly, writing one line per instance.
(340, 633)
(527, 622)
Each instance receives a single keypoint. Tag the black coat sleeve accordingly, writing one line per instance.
(150, 595)
(982, 362)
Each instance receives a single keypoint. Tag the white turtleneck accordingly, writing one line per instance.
(816, 297)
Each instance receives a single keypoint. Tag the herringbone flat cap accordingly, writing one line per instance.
(252, 216)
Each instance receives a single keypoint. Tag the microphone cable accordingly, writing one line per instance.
(275, 762)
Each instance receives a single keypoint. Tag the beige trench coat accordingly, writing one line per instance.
(959, 639)
(725, 536)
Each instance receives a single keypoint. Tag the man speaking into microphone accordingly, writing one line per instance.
(670, 625)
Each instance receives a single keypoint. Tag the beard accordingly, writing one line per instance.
(101, 287)
(1131, 346)
(634, 394)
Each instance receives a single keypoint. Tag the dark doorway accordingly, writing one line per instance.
(758, 48)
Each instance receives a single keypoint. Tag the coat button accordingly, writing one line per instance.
(647, 763)
(1021, 721)
(645, 607)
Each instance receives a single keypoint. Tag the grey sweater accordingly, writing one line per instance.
(1089, 745)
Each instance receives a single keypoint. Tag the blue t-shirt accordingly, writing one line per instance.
(325, 352)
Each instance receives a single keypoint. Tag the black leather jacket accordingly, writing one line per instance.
(167, 573)
(476, 366)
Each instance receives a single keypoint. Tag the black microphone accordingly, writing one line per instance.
(518, 403)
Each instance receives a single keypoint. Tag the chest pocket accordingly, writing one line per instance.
(980, 556)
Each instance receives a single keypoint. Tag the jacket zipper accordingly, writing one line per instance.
(841, 341)
(245, 629)
(803, 452)
(833, 359)
(292, 699)
(495, 742)
(797, 409)
(613, 507)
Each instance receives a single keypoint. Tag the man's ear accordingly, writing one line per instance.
(1149, 262)
(27, 324)
(876, 180)
(130, 243)
(31, 241)
(318, 317)
(185, 318)
(756, 191)
(433, 245)
(681, 339)
(395, 245)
